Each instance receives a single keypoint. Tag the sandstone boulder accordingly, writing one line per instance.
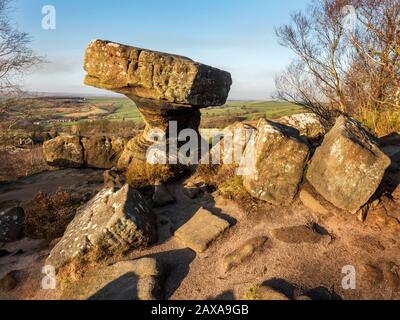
(11, 224)
(112, 221)
(140, 279)
(265, 293)
(308, 124)
(274, 163)
(64, 151)
(201, 230)
(154, 75)
(74, 151)
(348, 167)
(230, 149)
(102, 152)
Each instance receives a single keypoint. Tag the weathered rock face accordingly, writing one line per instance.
(65, 151)
(11, 224)
(231, 147)
(74, 151)
(154, 75)
(102, 152)
(308, 124)
(275, 163)
(164, 87)
(112, 220)
(140, 279)
(348, 167)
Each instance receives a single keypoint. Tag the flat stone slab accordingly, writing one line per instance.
(201, 230)
(127, 280)
(148, 74)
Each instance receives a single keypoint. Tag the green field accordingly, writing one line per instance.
(248, 110)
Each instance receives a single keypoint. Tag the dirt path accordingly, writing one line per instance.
(291, 268)
(25, 189)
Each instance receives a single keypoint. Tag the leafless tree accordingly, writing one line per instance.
(340, 70)
(16, 58)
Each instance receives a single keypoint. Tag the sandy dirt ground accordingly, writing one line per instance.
(293, 269)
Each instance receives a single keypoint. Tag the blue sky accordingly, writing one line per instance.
(234, 35)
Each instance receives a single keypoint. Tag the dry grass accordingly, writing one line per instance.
(382, 123)
(47, 216)
(224, 179)
(253, 293)
(76, 270)
(141, 175)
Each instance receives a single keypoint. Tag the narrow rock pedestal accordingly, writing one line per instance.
(167, 89)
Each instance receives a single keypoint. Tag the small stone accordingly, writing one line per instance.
(113, 178)
(297, 234)
(242, 253)
(396, 194)
(11, 224)
(265, 293)
(311, 203)
(303, 298)
(162, 197)
(201, 230)
(191, 190)
(9, 281)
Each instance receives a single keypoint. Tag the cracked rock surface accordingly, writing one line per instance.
(111, 220)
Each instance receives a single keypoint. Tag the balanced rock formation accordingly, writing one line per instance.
(112, 221)
(275, 163)
(164, 87)
(75, 152)
(349, 166)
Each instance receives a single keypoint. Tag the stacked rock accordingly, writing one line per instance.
(164, 87)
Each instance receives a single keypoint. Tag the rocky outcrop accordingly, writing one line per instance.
(308, 124)
(75, 152)
(140, 279)
(65, 151)
(348, 167)
(167, 89)
(11, 224)
(102, 152)
(275, 163)
(113, 221)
